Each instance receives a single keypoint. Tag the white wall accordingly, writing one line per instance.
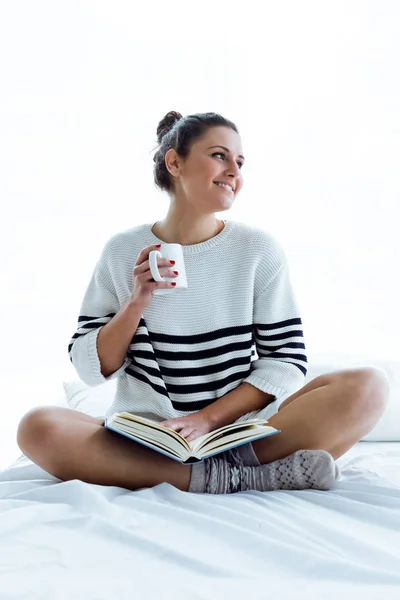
(314, 90)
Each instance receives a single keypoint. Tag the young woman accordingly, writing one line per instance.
(186, 359)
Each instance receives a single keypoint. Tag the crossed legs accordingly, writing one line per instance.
(330, 413)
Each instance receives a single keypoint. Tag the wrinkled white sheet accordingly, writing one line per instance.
(63, 540)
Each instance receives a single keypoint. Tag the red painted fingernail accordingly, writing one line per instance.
(158, 245)
(172, 262)
(173, 283)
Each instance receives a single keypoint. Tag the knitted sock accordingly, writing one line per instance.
(226, 474)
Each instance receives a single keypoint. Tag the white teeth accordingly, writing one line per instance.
(227, 187)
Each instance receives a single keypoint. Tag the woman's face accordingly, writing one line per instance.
(207, 163)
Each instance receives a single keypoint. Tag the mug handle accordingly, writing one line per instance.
(153, 265)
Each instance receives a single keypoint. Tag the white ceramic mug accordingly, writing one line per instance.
(172, 252)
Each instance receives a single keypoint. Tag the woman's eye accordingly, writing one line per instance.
(223, 154)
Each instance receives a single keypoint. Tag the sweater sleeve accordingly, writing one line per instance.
(281, 366)
(99, 306)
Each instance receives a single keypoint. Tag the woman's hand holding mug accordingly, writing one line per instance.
(143, 282)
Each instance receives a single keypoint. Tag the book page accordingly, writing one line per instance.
(234, 437)
(232, 440)
(148, 425)
(152, 435)
(177, 451)
(243, 426)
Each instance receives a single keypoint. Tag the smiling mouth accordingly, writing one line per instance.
(228, 189)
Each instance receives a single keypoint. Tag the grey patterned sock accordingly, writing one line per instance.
(226, 474)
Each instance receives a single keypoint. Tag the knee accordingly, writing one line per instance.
(35, 428)
(369, 388)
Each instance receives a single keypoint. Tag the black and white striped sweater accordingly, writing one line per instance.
(237, 322)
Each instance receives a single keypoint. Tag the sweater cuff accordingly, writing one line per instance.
(87, 363)
(280, 393)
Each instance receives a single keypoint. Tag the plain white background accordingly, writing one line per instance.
(313, 88)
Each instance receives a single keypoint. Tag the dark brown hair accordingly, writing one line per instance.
(177, 132)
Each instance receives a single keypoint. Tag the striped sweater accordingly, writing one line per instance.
(238, 321)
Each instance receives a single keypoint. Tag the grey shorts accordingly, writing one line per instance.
(243, 455)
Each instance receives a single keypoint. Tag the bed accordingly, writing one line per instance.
(77, 540)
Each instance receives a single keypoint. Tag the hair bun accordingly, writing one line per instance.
(167, 123)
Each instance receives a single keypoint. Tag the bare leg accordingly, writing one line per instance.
(332, 412)
(71, 445)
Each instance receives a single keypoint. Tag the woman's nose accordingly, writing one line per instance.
(234, 169)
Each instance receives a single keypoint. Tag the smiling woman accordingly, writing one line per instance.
(186, 358)
(188, 169)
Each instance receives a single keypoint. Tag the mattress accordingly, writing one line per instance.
(77, 540)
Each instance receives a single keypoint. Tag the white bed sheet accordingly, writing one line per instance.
(76, 540)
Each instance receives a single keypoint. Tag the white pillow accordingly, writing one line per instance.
(94, 401)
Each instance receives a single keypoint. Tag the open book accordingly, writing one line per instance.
(172, 444)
